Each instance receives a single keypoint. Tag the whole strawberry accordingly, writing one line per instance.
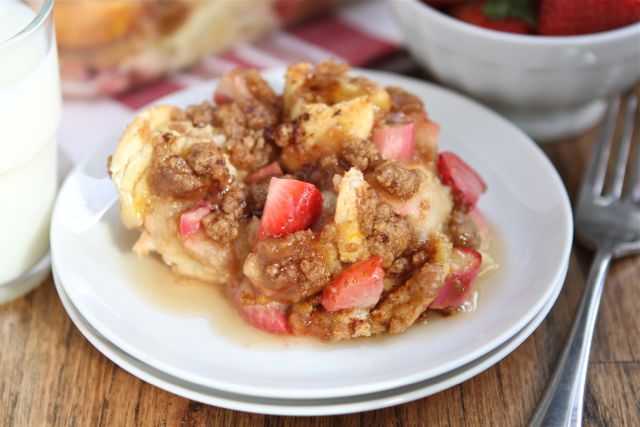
(512, 16)
(442, 3)
(574, 17)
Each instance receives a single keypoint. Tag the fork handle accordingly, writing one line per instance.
(562, 401)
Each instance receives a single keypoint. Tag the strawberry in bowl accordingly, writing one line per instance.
(543, 17)
(576, 17)
(517, 19)
(549, 66)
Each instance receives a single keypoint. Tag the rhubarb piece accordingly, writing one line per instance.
(396, 141)
(465, 265)
(191, 220)
(232, 86)
(270, 317)
(271, 170)
(242, 84)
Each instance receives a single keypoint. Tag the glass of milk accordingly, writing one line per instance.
(29, 116)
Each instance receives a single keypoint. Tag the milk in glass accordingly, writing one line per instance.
(29, 116)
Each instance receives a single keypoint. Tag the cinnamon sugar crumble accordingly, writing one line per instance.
(397, 180)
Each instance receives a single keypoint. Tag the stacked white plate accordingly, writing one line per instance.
(202, 357)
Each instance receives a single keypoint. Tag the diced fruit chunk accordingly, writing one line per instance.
(465, 183)
(498, 15)
(191, 220)
(443, 2)
(575, 17)
(271, 317)
(458, 285)
(232, 86)
(359, 286)
(291, 206)
(395, 141)
(272, 169)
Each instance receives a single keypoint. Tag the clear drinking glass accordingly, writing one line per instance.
(30, 104)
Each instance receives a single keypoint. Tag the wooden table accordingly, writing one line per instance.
(51, 375)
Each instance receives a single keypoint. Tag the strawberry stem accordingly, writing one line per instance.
(503, 9)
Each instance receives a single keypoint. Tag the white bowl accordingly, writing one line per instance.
(552, 87)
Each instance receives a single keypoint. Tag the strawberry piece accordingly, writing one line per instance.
(261, 174)
(442, 3)
(359, 286)
(481, 15)
(396, 141)
(458, 285)
(191, 220)
(465, 183)
(291, 206)
(270, 317)
(232, 85)
(574, 17)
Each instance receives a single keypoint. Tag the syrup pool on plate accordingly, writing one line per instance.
(29, 115)
(155, 283)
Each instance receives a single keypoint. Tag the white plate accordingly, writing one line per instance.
(526, 202)
(299, 407)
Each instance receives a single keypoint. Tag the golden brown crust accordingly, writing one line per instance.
(245, 123)
(224, 222)
(293, 267)
(398, 181)
(388, 235)
(361, 154)
(201, 114)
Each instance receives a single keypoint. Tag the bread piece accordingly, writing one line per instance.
(82, 25)
(158, 217)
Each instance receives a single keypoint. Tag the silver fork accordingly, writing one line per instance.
(610, 221)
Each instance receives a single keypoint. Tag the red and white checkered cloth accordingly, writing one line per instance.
(358, 35)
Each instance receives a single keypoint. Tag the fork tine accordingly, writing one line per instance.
(633, 192)
(595, 172)
(623, 148)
